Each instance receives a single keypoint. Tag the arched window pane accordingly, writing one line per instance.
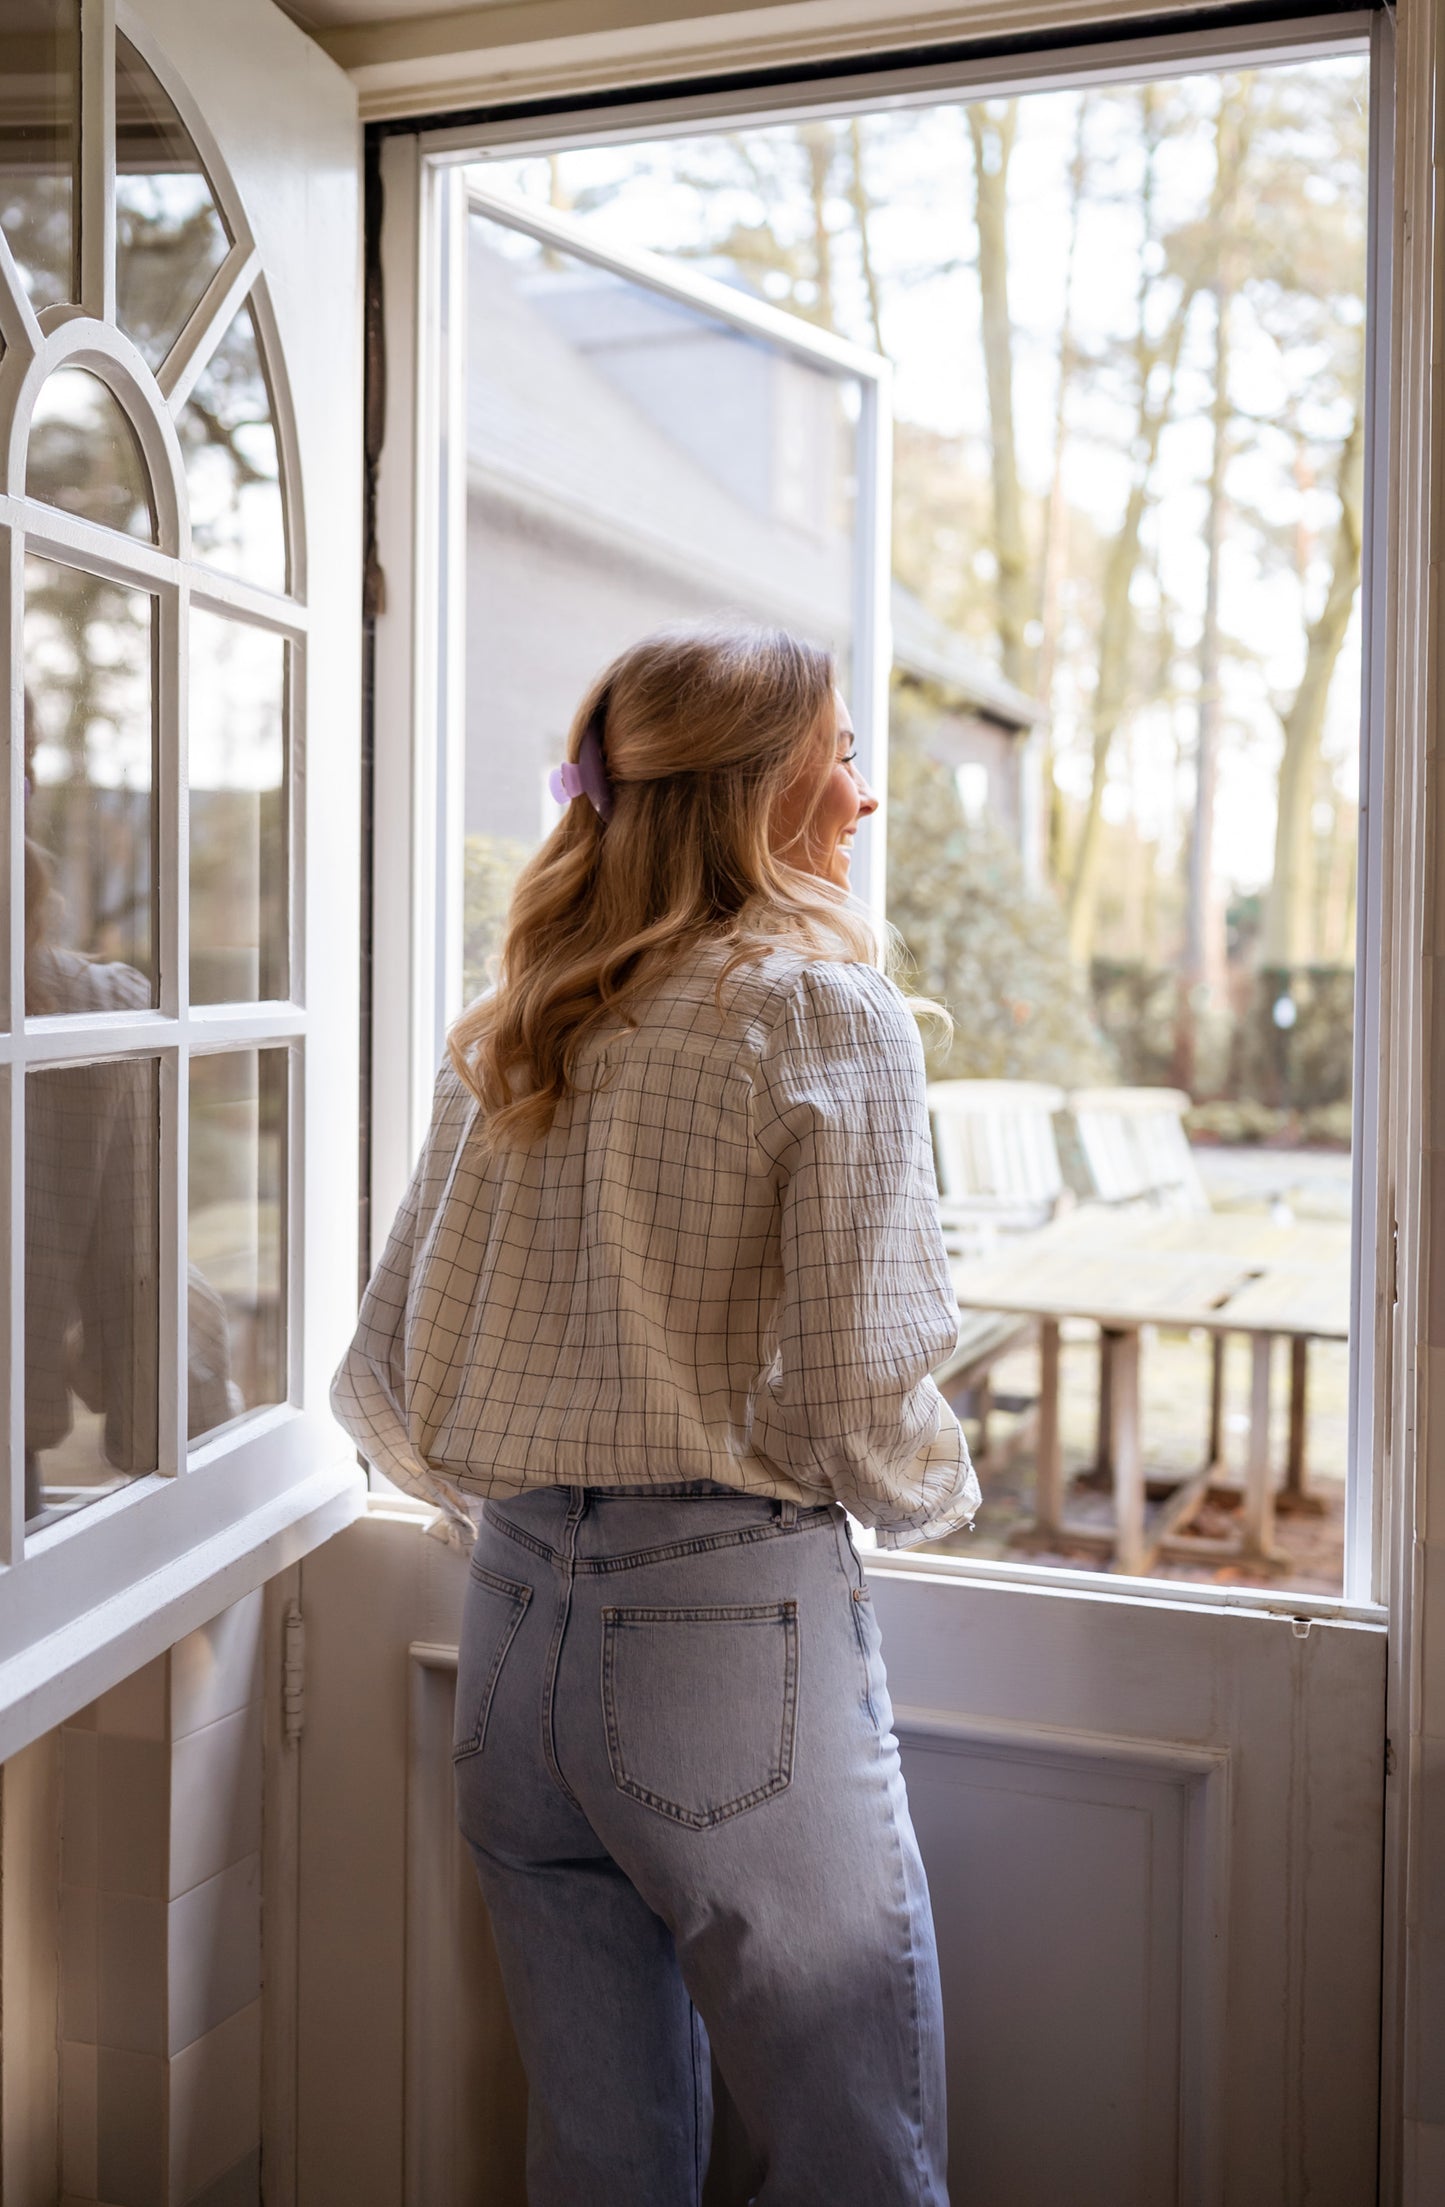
(84, 457)
(90, 806)
(170, 237)
(232, 467)
(238, 812)
(40, 142)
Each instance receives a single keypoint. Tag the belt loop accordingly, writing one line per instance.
(787, 1515)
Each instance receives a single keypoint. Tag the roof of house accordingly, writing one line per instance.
(927, 647)
(550, 431)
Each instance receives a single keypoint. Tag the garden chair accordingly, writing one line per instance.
(996, 1157)
(1132, 1149)
(998, 1173)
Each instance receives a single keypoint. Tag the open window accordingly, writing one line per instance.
(157, 1052)
(1098, 602)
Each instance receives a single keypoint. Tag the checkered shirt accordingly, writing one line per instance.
(723, 1262)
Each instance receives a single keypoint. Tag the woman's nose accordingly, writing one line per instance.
(867, 802)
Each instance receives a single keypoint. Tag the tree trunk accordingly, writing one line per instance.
(1284, 936)
(1116, 627)
(1201, 969)
(862, 207)
(1202, 962)
(818, 145)
(993, 131)
(1055, 532)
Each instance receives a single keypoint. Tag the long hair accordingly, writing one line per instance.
(702, 730)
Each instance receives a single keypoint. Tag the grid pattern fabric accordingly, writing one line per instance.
(722, 1262)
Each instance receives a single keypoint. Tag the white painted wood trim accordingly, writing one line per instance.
(1412, 1468)
(1204, 1775)
(96, 207)
(190, 355)
(559, 49)
(281, 1909)
(53, 1677)
(394, 707)
(12, 1074)
(722, 302)
(431, 1839)
(18, 325)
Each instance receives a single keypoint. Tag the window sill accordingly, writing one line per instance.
(43, 1684)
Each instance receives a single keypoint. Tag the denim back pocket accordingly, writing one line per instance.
(494, 1609)
(701, 1707)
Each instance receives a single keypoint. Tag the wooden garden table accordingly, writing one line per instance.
(1225, 1272)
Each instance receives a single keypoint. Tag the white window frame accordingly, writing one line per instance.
(418, 721)
(85, 1599)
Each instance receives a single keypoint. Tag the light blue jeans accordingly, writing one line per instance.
(677, 1774)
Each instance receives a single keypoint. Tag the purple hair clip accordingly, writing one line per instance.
(586, 775)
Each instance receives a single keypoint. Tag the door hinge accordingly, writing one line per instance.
(293, 1675)
(1389, 1757)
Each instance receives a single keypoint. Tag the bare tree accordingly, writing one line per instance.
(862, 206)
(818, 145)
(1156, 364)
(992, 129)
(1055, 553)
(1201, 965)
(1284, 938)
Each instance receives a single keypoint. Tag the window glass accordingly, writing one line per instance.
(232, 466)
(84, 458)
(91, 1274)
(237, 813)
(238, 818)
(170, 237)
(90, 792)
(237, 1333)
(631, 460)
(39, 142)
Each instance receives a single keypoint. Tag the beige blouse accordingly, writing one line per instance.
(723, 1262)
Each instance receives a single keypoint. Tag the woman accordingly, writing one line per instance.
(665, 1292)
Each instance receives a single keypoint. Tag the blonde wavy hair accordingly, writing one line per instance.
(703, 731)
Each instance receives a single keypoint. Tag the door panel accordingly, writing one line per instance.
(1159, 1940)
(1196, 1797)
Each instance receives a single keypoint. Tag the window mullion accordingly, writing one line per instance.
(293, 1223)
(12, 1073)
(97, 159)
(172, 689)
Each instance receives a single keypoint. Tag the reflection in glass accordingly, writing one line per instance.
(90, 802)
(169, 234)
(39, 142)
(631, 460)
(91, 1275)
(238, 824)
(232, 469)
(84, 458)
(237, 1355)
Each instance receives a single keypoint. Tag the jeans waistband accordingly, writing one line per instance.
(692, 1516)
